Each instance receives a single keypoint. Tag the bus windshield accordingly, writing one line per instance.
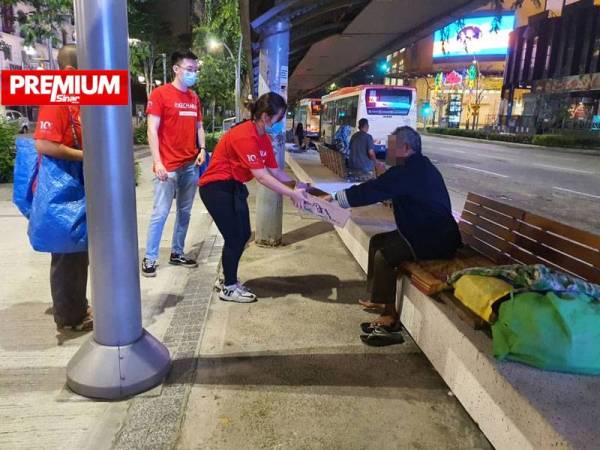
(389, 102)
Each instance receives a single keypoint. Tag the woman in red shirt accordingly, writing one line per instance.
(243, 153)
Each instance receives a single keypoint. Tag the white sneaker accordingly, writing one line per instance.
(220, 284)
(236, 293)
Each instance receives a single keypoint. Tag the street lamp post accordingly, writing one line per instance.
(164, 61)
(213, 44)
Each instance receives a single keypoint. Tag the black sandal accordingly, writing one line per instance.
(380, 337)
(368, 327)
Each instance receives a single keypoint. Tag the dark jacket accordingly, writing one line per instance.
(421, 205)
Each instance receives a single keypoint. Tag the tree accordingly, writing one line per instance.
(43, 21)
(216, 81)
(149, 37)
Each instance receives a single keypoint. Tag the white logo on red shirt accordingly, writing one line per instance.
(44, 125)
(184, 105)
(263, 154)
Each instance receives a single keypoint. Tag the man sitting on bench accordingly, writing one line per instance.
(422, 211)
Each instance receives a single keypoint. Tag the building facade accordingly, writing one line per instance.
(458, 71)
(15, 55)
(552, 76)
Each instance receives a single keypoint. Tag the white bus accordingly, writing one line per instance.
(385, 107)
(308, 113)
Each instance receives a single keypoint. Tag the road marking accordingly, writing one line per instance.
(482, 171)
(445, 150)
(564, 169)
(576, 192)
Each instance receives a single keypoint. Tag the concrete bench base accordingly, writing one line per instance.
(517, 407)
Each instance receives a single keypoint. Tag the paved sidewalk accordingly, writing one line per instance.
(286, 372)
(290, 372)
(36, 409)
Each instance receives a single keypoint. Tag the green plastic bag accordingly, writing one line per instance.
(550, 331)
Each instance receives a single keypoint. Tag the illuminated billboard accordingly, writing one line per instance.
(474, 37)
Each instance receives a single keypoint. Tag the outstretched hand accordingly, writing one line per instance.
(299, 198)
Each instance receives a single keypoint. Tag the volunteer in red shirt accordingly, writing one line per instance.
(243, 153)
(174, 124)
(58, 134)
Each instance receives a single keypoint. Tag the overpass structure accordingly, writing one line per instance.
(331, 38)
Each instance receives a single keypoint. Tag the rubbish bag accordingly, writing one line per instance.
(25, 174)
(551, 331)
(57, 222)
(480, 293)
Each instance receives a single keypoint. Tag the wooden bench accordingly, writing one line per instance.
(495, 233)
(333, 160)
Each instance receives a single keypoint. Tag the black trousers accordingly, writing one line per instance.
(227, 203)
(68, 283)
(386, 252)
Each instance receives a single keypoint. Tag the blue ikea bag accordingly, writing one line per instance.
(57, 221)
(204, 165)
(25, 174)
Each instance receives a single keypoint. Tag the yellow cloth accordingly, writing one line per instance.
(479, 293)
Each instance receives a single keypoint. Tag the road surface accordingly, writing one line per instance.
(558, 185)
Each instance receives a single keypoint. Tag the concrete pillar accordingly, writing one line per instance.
(121, 358)
(273, 69)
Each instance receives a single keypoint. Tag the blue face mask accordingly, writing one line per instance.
(189, 78)
(275, 128)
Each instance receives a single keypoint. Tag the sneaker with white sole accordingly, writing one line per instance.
(149, 268)
(236, 293)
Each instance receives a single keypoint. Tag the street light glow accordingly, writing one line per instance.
(141, 78)
(213, 44)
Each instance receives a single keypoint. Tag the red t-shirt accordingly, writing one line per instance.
(179, 114)
(239, 150)
(56, 123)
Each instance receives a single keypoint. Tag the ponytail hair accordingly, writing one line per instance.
(270, 103)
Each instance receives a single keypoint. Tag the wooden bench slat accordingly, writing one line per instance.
(559, 260)
(486, 249)
(494, 216)
(566, 231)
(517, 213)
(500, 244)
(561, 244)
(491, 227)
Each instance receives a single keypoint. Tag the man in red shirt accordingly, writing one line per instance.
(58, 134)
(174, 123)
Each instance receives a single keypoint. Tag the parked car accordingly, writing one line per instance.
(18, 119)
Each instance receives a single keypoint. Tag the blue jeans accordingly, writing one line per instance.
(181, 185)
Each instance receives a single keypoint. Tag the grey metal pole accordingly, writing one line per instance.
(164, 61)
(274, 53)
(50, 55)
(121, 359)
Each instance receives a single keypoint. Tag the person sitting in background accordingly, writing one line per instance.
(299, 133)
(423, 215)
(362, 159)
(342, 139)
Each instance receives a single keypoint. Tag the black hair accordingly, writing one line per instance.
(270, 103)
(362, 123)
(179, 55)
